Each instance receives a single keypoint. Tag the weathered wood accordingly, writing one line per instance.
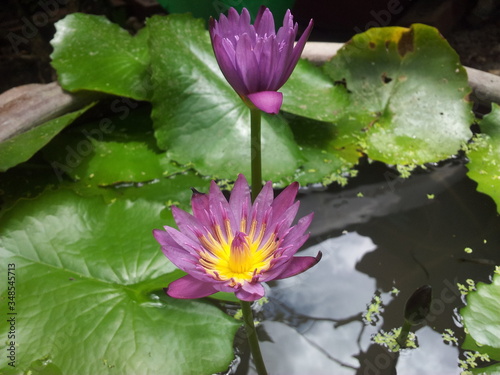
(25, 107)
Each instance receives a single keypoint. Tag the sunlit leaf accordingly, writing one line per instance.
(482, 320)
(91, 53)
(310, 93)
(484, 156)
(408, 94)
(89, 296)
(113, 150)
(326, 159)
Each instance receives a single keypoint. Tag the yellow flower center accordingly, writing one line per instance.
(237, 256)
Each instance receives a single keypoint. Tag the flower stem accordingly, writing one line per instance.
(403, 336)
(253, 340)
(255, 155)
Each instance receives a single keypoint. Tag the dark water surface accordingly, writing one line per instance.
(378, 233)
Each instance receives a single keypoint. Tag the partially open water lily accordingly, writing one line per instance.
(255, 59)
(234, 246)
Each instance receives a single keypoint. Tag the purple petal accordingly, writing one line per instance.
(284, 221)
(266, 196)
(261, 206)
(250, 292)
(288, 19)
(246, 64)
(298, 265)
(187, 223)
(284, 58)
(285, 199)
(225, 55)
(189, 287)
(244, 25)
(295, 238)
(233, 17)
(184, 261)
(220, 210)
(297, 51)
(178, 239)
(267, 101)
(200, 207)
(266, 50)
(239, 201)
(264, 22)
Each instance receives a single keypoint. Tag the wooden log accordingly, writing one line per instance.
(25, 107)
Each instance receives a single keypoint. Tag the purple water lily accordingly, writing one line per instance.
(256, 60)
(234, 246)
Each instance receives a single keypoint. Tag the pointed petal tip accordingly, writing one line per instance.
(188, 287)
(241, 179)
(267, 101)
(298, 265)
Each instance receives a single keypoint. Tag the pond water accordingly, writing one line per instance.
(379, 235)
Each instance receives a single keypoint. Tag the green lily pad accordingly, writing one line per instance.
(482, 320)
(91, 53)
(23, 146)
(89, 298)
(484, 156)
(408, 94)
(113, 150)
(311, 93)
(326, 159)
(198, 118)
(490, 370)
(117, 157)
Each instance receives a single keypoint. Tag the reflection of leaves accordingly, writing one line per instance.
(92, 278)
(484, 156)
(482, 320)
(407, 94)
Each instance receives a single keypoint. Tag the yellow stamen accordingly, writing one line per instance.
(240, 256)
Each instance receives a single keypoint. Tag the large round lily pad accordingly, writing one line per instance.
(89, 298)
(484, 156)
(408, 94)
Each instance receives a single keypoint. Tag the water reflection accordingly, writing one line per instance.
(332, 333)
(334, 281)
(395, 236)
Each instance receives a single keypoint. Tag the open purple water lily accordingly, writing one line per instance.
(234, 246)
(256, 60)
